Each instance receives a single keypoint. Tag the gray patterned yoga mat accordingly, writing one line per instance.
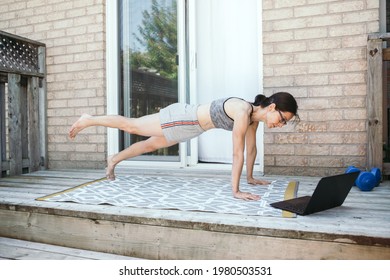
(179, 193)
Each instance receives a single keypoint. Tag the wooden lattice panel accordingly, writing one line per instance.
(18, 56)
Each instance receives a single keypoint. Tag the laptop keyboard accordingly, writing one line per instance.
(296, 205)
(295, 208)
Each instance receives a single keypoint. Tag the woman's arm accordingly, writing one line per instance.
(241, 123)
(251, 153)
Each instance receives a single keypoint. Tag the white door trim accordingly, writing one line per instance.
(192, 69)
(112, 72)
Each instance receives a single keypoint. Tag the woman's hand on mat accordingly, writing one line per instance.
(254, 181)
(246, 195)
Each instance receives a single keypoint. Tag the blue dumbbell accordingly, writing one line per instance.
(366, 181)
(351, 169)
(378, 176)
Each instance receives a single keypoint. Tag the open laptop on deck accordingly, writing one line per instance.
(330, 192)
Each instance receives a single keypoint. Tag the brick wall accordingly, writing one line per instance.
(74, 34)
(316, 49)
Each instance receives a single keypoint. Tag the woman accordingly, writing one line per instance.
(181, 122)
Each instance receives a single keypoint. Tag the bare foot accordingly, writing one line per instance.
(253, 181)
(110, 169)
(79, 125)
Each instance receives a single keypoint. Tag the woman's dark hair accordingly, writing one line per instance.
(284, 102)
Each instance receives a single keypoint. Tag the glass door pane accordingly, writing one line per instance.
(149, 70)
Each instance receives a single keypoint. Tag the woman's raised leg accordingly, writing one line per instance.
(145, 126)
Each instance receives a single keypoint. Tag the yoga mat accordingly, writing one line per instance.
(180, 193)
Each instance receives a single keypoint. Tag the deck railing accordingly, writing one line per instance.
(22, 105)
(377, 115)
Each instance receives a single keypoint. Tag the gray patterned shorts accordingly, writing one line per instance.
(179, 122)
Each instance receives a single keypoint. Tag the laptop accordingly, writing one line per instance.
(330, 192)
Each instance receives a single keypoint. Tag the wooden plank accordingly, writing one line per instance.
(3, 33)
(29, 178)
(25, 250)
(15, 129)
(17, 253)
(25, 164)
(374, 104)
(365, 227)
(71, 174)
(29, 193)
(380, 36)
(20, 72)
(2, 130)
(23, 121)
(3, 77)
(42, 104)
(54, 187)
(27, 184)
(33, 123)
(386, 54)
(386, 168)
(160, 242)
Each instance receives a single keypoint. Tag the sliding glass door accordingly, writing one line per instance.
(148, 57)
(189, 51)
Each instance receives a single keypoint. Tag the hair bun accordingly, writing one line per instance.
(260, 100)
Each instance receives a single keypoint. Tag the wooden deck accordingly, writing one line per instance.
(360, 229)
(14, 249)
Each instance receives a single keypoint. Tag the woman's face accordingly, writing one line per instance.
(277, 118)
